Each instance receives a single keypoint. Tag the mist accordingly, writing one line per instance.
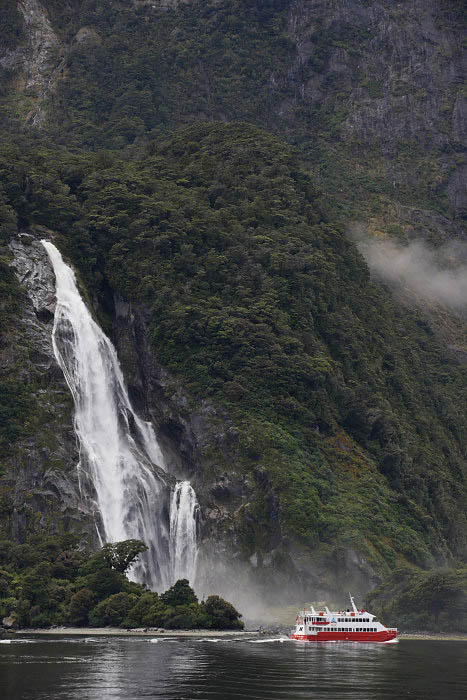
(434, 274)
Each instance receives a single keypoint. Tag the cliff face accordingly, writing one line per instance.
(39, 480)
(242, 548)
(387, 78)
(32, 62)
(369, 93)
(372, 91)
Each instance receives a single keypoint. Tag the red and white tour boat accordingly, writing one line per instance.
(341, 626)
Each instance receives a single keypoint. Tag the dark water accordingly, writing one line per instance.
(195, 669)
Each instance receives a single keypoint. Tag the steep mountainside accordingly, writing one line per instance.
(200, 164)
(371, 90)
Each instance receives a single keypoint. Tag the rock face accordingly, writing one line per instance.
(40, 472)
(35, 274)
(380, 81)
(392, 74)
(37, 62)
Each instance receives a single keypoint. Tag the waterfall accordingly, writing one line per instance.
(120, 459)
(183, 535)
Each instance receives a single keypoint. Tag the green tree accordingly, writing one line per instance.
(121, 555)
(112, 610)
(141, 609)
(221, 614)
(80, 605)
(179, 594)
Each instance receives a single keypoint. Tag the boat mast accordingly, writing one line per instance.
(353, 604)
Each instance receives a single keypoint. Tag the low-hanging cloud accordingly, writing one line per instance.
(434, 274)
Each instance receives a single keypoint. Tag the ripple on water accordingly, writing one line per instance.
(231, 669)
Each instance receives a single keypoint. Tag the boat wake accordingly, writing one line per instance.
(269, 641)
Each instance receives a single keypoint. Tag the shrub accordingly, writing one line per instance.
(221, 614)
(80, 605)
(179, 594)
(104, 582)
(112, 610)
(141, 609)
(189, 616)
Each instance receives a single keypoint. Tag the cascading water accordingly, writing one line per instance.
(183, 535)
(119, 453)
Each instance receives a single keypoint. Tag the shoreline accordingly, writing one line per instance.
(432, 636)
(158, 632)
(117, 632)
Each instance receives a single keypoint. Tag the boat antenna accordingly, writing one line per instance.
(313, 611)
(353, 604)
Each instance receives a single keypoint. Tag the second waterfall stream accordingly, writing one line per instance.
(121, 463)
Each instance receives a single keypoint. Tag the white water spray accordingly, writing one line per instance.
(183, 535)
(120, 458)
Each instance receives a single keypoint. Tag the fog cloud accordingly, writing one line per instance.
(435, 274)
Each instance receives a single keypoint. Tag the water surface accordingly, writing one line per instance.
(123, 668)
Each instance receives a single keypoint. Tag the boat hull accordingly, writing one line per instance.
(383, 636)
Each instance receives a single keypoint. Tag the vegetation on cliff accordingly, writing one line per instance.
(413, 600)
(256, 299)
(349, 407)
(50, 580)
(371, 91)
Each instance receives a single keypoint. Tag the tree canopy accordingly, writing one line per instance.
(51, 580)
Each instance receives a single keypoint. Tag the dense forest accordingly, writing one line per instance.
(52, 580)
(174, 158)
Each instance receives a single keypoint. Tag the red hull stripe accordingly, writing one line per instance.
(382, 636)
